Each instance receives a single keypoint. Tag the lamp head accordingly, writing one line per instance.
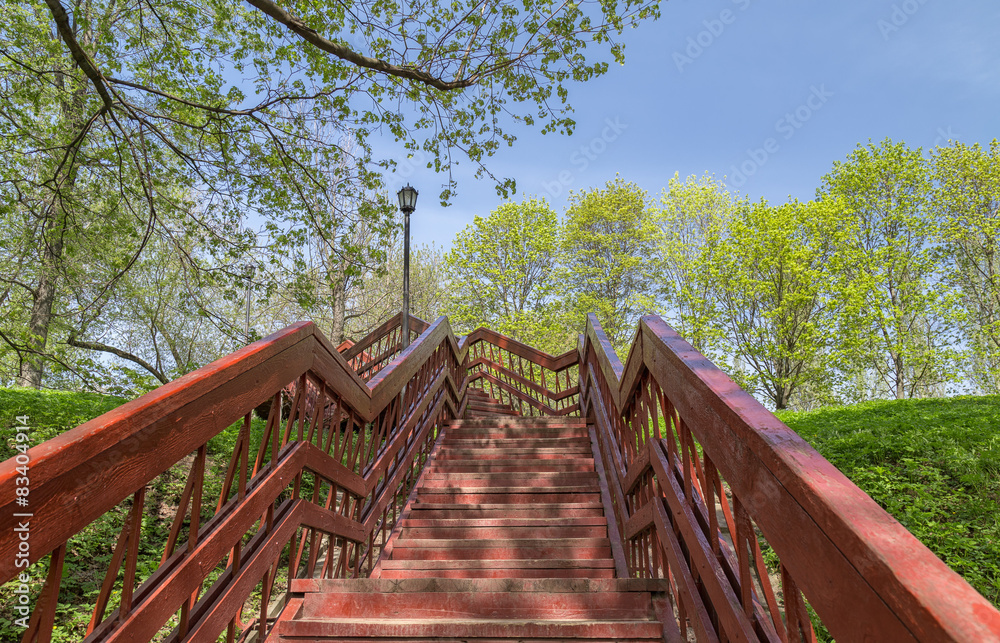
(407, 199)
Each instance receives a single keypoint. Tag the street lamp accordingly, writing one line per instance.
(407, 204)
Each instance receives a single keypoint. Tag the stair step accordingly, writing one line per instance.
(520, 476)
(471, 628)
(490, 486)
(432, 510)
(495, 432)
(472, 412)
(487, 405)
(547, 586)
(544, 564)
(505, 573)
(478, 605)
(595, 521)
(523, 421)
(453, 453)
(474, 442)
(513, 549)
(507, 495)
(505, 531)
(482, 485)
(512, 465)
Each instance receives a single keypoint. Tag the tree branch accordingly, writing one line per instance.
(309, 34)
(104, 348)
(79, 55)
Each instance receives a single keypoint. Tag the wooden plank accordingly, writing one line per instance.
(476, 628)
(478, 605)
(529, 586)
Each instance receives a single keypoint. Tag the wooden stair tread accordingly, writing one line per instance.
(474, 628)
(508, 563)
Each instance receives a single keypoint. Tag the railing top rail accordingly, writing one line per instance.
(389, 380)
(69, 450)
(551, 362)
(416, 324)
(844, 550)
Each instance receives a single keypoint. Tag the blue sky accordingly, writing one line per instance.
(766, 94)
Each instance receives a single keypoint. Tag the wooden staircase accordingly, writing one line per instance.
(503, 538)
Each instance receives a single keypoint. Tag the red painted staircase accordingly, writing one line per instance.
(504, 538)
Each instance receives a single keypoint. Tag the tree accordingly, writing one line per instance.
(381, 294)
(966, 199)
(112, 110)
(774, 275)
(158, 323)
(610, 235)
(500, 272)
(693, 218)
(902, 328)
(330, 256)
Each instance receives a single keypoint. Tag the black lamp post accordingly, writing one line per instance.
(407, 204)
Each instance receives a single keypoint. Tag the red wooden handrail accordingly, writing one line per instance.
(378, 348)
(685, 444)
(361, 444)
(529, 380)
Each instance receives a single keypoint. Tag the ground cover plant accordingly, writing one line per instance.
(934, 464)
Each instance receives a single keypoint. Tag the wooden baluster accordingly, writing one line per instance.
(193, 532)
(744, 531)
(175, 526)
(123, 549)
(319, 411)
(333, 437)
(713, 516)
(765, 582)
(687, 448)
(273, 419)
(43, 617)
(798, 626)
(295, 410)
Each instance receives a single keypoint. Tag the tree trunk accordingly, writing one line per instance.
(33, 366)
(900, 378)
(339, 311)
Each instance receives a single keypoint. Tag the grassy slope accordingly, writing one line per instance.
(933, 464)
(50, 413)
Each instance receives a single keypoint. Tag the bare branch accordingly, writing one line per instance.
(105, 348)
(79, 55)
(309, 34)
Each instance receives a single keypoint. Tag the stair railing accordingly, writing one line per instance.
(315, 491)
(750, 525)
(378, 348)
(531, 381)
